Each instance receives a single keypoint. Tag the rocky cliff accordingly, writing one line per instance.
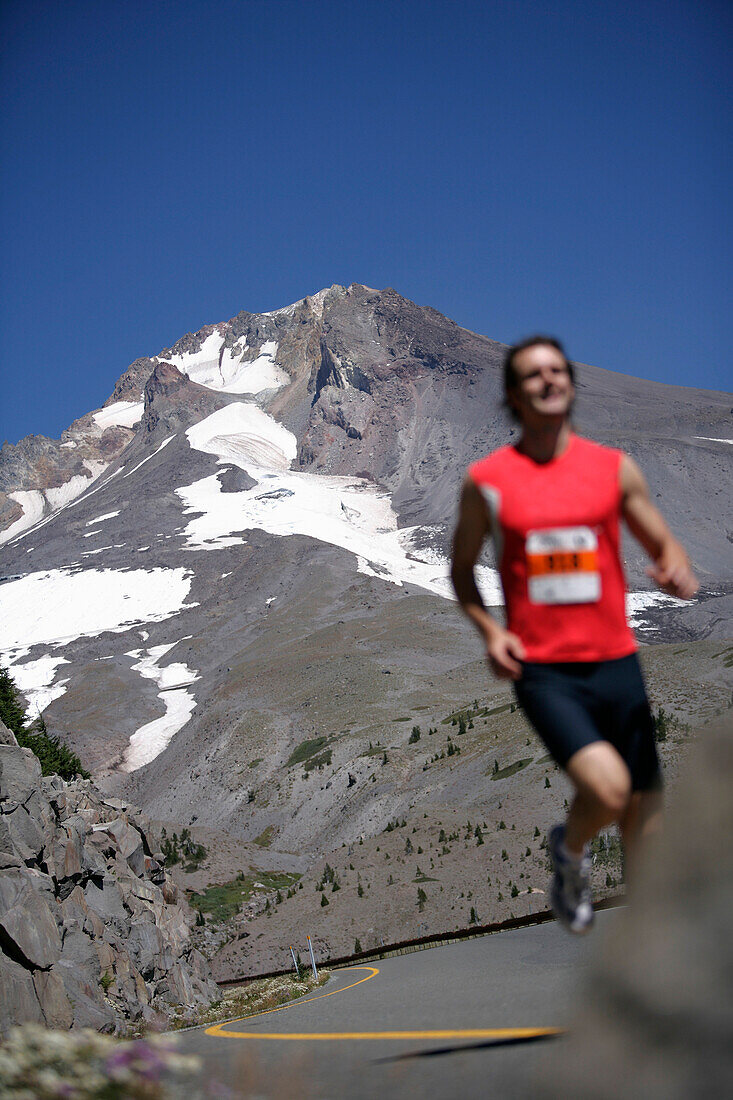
(91, 931)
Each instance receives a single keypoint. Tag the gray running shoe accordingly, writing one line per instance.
(570, 893)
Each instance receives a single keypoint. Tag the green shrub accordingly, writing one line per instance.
(305, 750)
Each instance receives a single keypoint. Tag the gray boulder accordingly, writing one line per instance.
(18, 1000)
(29, 929)
(55, 1004)
(26, 836)
(7, 737)
(20, 775)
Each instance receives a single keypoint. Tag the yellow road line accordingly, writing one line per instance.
(331, 1036)
(215, 1029)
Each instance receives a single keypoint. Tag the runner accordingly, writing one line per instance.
(552, 504)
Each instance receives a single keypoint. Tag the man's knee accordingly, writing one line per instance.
(613, 794)
(602, 777)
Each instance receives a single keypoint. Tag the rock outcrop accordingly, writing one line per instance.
(655, 1014)
(91, 930)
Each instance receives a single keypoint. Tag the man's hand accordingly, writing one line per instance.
(672, 572)
(504, 652)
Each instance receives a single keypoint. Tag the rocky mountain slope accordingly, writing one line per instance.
(256, 581)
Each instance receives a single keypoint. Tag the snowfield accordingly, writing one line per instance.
(150, 740)
(223, 369)
(55, 607)
(346, 512)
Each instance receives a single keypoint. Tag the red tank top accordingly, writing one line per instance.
(556, 533)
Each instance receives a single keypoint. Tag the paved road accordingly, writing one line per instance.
(460, 1006)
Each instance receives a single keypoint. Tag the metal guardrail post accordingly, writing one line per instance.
(313, 958)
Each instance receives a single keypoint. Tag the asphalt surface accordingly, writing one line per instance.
(466, 1020)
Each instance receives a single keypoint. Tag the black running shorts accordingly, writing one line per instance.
(573, 704)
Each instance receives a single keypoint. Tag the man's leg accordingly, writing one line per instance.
(603, 789)
(642, 819)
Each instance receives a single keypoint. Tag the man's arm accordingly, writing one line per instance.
(671, 567)
(503, 650)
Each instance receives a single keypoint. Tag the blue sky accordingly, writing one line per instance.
(517, 165)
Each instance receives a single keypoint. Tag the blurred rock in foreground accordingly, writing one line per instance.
(655, 1018)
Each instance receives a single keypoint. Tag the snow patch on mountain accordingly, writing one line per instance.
(345, 512)
(34, 679)
(639, 602)
(57, 606)
(150, 740)
(223, 369)
(245, 435)
(147, 459)
(120, 414)
(101, 519)
(254, 377)
(33, 503)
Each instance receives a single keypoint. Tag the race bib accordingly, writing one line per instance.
(562, 566)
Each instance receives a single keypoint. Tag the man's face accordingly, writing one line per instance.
(543, 391)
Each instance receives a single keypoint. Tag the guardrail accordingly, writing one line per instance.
(423, 943)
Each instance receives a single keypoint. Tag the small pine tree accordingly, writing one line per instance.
(422, 897)
(662, 722)
(515, 890)
(547, 783)
(479, 835)
(324, 901)
(357, 946)
(473, 918)
(461, 726)
(536, 831)
(12, 712)
(414, 736)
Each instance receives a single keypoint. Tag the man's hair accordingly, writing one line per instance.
(510, 375)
